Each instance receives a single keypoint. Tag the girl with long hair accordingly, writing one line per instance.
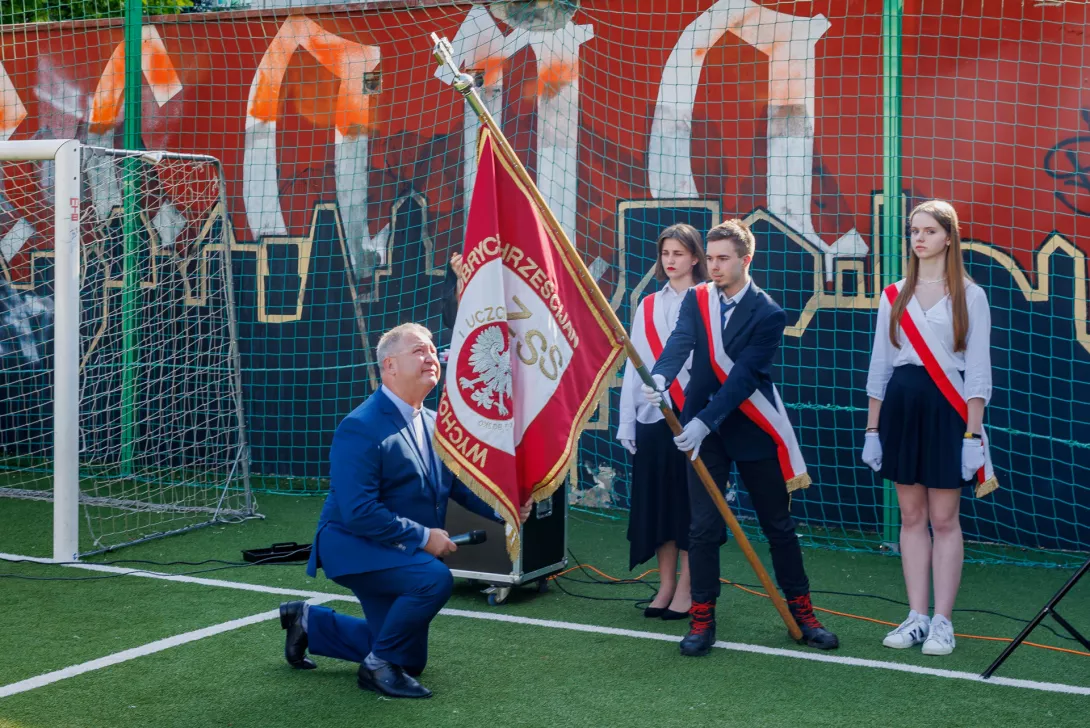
(659, 517)
(930, 379)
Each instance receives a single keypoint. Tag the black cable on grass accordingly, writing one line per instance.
(593, 579)
(587, 596)
(225, 565)
(905, 604)
(816, 591)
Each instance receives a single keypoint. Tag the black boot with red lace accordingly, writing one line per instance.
(814, 633)
(701, 635)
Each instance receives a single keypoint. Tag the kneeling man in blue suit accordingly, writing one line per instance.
(381, 533)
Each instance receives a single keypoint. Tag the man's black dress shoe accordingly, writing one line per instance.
(295, 644)
(392, 681)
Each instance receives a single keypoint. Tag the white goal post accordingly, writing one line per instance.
(146, 432)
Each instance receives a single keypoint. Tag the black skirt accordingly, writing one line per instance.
(920, 431)
(660, 494)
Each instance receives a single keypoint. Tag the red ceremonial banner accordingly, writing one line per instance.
(530, 352)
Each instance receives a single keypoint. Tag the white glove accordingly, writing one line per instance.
(654, 396)
(972, 457)
(691, 437)
(872, 451)
(629, 445)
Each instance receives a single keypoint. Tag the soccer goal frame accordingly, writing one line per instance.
(68, 184)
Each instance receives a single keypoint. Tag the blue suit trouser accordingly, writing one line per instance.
(398, 605)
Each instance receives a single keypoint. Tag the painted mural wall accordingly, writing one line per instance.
(349, 165)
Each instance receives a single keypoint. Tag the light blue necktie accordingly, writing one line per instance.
(724, 309)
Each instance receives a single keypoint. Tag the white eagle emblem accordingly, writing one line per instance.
(491, 361)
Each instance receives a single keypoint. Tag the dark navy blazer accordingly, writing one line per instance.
(752, 339)
(383, 493)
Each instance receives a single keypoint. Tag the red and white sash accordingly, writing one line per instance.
(770, 417)
(943, 373)
(657, 330)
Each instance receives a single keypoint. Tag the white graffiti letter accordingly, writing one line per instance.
(789, 42)
(558, 119)
(349, 62)
(479, 47)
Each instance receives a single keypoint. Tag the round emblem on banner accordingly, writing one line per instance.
(484, 372)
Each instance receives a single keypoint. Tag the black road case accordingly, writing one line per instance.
(544, 548)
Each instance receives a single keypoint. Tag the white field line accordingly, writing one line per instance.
(125, 655)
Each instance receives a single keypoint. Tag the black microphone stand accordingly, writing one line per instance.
(1049, 608)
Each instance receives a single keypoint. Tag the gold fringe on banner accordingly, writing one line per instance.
(989, 485)
(799, 482)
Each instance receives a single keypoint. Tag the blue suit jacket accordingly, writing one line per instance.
(752, 339)
(382, 493)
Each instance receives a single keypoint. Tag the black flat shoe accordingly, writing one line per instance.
(653, 612)
(295, 642)
(391, 681)
(669, 614)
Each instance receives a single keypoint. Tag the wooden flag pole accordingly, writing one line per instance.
(465, 85)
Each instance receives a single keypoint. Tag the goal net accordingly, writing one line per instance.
(119, 368)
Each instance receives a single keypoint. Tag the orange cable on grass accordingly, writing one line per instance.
(861, 618)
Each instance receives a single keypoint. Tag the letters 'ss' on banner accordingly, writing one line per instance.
(530, 352)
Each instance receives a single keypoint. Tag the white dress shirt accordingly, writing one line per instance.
(975, 362)
(414, 418)
(736, 298)
(670, 300)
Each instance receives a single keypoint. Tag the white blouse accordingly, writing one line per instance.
(975, 362)
(670, 300)
(634, 408)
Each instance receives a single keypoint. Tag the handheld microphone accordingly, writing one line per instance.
(469, 539)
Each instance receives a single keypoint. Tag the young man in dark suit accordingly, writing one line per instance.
(380, 533)
(722, 424)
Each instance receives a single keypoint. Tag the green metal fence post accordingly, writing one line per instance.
(892, 222)
(130, 295)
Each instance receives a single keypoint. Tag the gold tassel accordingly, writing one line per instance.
(798, 482)
(989, 485)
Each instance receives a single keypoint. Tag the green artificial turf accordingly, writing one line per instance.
(486, 672)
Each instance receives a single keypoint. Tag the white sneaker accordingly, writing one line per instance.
(941, 640)
(912, 631)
